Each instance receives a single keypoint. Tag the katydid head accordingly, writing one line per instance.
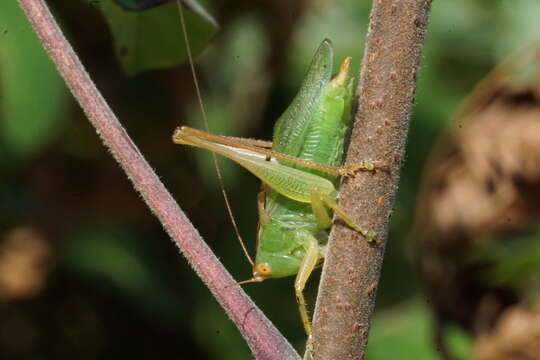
(261, 272)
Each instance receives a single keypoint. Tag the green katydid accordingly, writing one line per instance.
(299, 170)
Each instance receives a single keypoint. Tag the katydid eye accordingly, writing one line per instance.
(264, 269)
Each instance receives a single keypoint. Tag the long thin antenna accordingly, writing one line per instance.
(205, 120)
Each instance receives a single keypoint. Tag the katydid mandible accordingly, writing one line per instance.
(299, 170)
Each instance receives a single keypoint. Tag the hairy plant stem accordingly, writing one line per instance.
(386, 92)
(262, 337)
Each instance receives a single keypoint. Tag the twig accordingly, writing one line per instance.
(263, 339)
(386, 94)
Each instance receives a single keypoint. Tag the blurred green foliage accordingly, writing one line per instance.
(27, 77)
(524, 250)
(149, 39)
(117, 286)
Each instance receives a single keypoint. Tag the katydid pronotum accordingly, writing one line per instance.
(298, 170)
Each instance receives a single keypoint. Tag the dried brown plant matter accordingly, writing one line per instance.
(481, 192)
(515, 337)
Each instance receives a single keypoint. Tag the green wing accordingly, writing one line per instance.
(291, 127)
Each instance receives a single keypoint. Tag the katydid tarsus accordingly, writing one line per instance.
(299, 170)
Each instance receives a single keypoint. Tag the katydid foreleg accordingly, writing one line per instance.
(320, 198)
(310, 260)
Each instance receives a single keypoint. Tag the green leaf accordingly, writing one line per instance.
(153, 38)
(32, 93)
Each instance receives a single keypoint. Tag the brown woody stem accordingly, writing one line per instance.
(386, 94)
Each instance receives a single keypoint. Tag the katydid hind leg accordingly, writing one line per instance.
(264, 148)
(364, 165)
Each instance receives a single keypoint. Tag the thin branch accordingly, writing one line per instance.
(386, 94)
(261, 336)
